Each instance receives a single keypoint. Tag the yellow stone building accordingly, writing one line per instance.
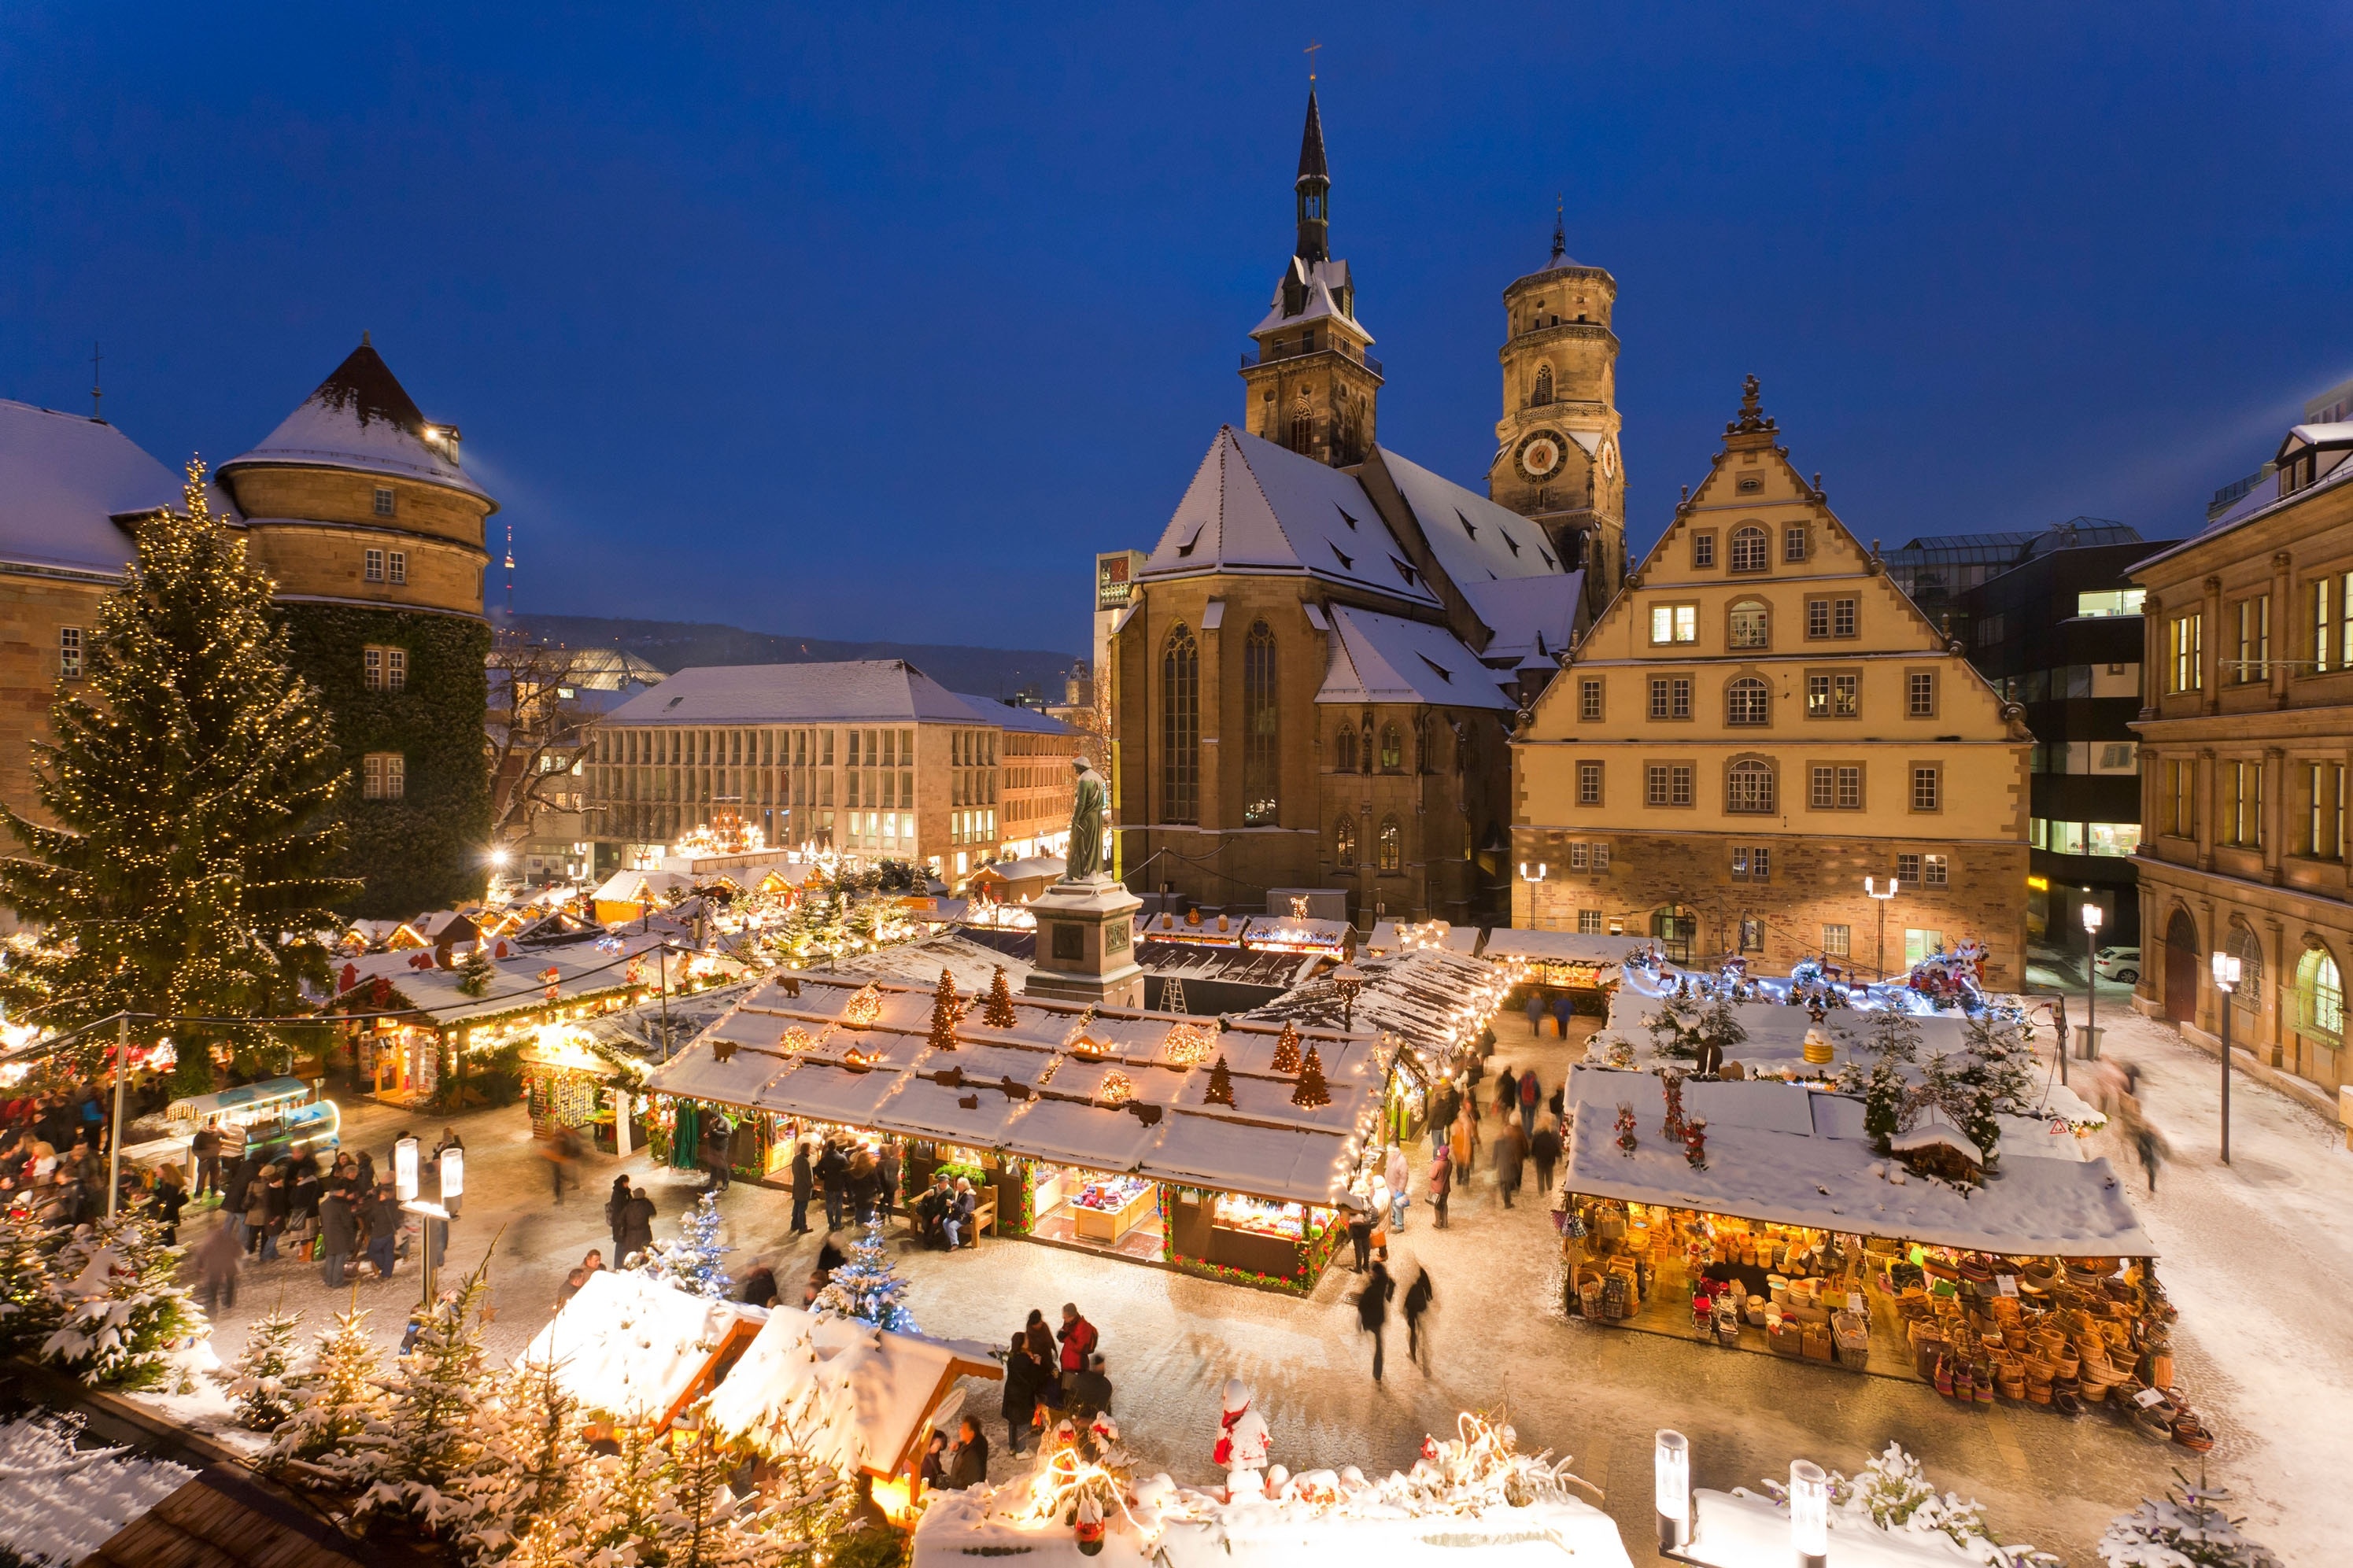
(1755, 724)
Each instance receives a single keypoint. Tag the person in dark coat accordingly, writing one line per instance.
(636, 1231)
(206, 1148)
(1531, 1095)
(1089, 1391)
(832, 1179)
(614, 1206)
(933, 1475)
(233, 1193)
(1445, 1105)
(1507, 1093)
(1441, 1180)
(760, 1286)
(1561, 1009)
(277, 1213)
(804, 1178)
(717, 1140)
(886, 1177)
(1023, 1372)
(337, 1231)
(1373, 1309)
(1544, 1149)
(216, 1264)
(1360, 1231)
(969, 1466)
(1511, 1157)
(165, 1203)
(828, 1258)
(1419, 1297)
(1042, 1346)
(380, 1209)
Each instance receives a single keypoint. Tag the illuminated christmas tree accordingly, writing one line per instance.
(1000, 1013)
(692, 1262)
(263, 1384)
(192, 778)
(868, 1287)
(946, 1008)
(1221, 1084)
(121, 1310)
(1312, 1091)
(1286, 1049)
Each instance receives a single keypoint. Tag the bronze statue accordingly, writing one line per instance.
(1090, 852)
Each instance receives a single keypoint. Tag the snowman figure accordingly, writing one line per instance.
(1243, 1440)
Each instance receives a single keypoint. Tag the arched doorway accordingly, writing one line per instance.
(2181, 967)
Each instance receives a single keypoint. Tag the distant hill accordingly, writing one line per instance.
(678, 644)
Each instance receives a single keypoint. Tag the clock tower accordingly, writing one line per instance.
(1557, 457)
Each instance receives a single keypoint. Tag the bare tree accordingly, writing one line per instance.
(537, 732)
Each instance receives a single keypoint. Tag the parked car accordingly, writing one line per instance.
(2121, 964)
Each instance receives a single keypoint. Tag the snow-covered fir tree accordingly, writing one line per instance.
(262, 1382)
(475, 975)
(28, 1311)
(429, 1441)
(341, 1406)
(536, 1460)
(121, 1310)
(690, 1261)
(1892, 1041)
(1893, 1492)
(707, 1524)
(867, 1286)
(2186, 1528)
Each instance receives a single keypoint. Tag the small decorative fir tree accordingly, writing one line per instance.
(474, 976)
(536, 1461)
(690, 1262)
(262, 1381)
(946, 1010)
(1894, 1043)
(1313, 1091)
(1000, 1013)
(28, 1311)
(868, 1287)
(340, 1405)
(122, 1309)
(428, 1442)
(1221, 1083)
(1719, 1030)
(1286, 1049)
(2184, 1529)
(193, 779)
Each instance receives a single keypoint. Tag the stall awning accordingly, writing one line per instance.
(1780, 1153)
(1602, 952)
(1433, 1001)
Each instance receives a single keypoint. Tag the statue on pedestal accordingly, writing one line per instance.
(1090, 853)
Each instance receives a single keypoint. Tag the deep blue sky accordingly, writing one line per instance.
(878, 321)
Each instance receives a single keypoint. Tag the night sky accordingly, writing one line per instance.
(878, 322)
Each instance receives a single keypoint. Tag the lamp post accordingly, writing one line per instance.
(405, 1162)
(123, 1068)
(1671, 1476)
(1347, 980)
(2093, 916)
(1809, 1513)
(1871, 887)
(2226, 981)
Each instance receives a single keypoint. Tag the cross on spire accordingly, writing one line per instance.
(95, 392)
(1309, 51)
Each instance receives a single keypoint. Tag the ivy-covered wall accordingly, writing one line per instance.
(426, 850)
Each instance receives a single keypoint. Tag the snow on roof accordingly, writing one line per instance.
(629, 1346)
(68, 479)
(972, 964)
(1426, 998)
(583, 971)
(1474, 539)
(1024, 871)
(1776, 1031)
(1556, 946)
(1254, 506)
(1015, 716)
(848, 1396)
(630, 887)
(1063, 1083)
(1322, 282)
(1381, 659)
(1532, 617)
(1762, 1163)
(855, 691)
(361, 418)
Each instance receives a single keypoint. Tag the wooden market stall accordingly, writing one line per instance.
(634, 1349)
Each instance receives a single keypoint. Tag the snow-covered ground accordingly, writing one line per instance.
(2255, 1257)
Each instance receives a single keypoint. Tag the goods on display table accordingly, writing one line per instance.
(1106, 1208)
(569, 1084)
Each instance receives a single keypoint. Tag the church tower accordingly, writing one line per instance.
(1313, 387)
(1557, 457)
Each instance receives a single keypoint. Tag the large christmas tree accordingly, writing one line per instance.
(191, 777)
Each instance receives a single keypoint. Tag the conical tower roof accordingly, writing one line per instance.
(1311, 144)
(362, 418)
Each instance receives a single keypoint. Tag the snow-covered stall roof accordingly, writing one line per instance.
(843, 1393)
(1785, 1153)
(630, 1347)
(1556, 947)
(517, 982)
(1776, 1031)
(974, 964)
(1106, 1089)
(1433, 1002)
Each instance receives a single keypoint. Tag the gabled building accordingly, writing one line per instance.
(1758, 722)
(1314, 670)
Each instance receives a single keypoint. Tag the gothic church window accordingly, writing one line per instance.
(1343, 842)
(1544, 386)
(1392, 846)
(1303, 423)
(1392, 749)
(1259, 766)
(1180, 726)
(1344, 749)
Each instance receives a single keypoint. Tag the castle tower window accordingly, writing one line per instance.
(1180, 726)
(382, 501)
(1260, 766)
(1543, 393)
(372, 566)
(395, 566)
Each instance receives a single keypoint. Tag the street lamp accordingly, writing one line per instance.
(1809, 1513)
(2226, 981)
(1347, 980)
(404, 1169)
(1869, 887)
(2093, 916)
(406, 1163)
(1671, 1472)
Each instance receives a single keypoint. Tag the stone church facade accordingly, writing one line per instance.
(1314, 677)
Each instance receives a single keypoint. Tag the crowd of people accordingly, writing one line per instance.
(54, 1148)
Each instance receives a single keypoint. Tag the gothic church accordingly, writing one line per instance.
(1388, 623)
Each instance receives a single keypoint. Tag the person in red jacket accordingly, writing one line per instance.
(1079, 1339)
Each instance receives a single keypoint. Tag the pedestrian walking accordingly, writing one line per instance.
(1372, 1310)
(206, 1147)
(1511, 1158)
(832, 1179)
(381, 1208)
(337, 1230)
(636, 1232)
(166, 1202)
(217, 1265)
(803, 1179)
(1464, 1144)
(1507, 1093)
(1360, 1229)
(862, 1184)
(1535, 1011)
(1023, 1372)
(760, 1286)
(615, 1203)
(1544, 1149)
(1445, 1104)
(1531, 1097)
(1418, 1299)
(1398, 1175)
(1562, 1009)
(1441, 1180)
(718, 1134)
(886, 1181)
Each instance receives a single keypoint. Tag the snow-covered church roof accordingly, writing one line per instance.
(1474, 539)
(1323, 282)
(361, 418)
(1385, 658)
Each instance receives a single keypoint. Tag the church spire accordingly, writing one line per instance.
(1314, 188)
(1559, 230)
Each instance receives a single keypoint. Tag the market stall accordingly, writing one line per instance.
(634, 1349)
(277, 1116)
(1113, 1130)
(1587, 967)
(1761, 1215)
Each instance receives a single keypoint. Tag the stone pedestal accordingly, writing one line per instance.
(1086, 945)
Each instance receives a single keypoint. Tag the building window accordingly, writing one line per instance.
(69, 652)
(1343, 747)
(1749, 549)
(2242, 804)
(1920, 694)
(1832, 617)
(1343, 842)
(1752, 625)
(1793, 542)
(1919, 946)
(382, 501)
(2186, 643)
(1588, 922)
(1932, 870)
(384, 775)
(2254, 628)
(1392, 749)
(1392, 846)
(1748, 787)
(372, 566)
(1907, 869)
(1752, 863)
(385, 668)
(396, 567)
(2324, 825)
(1674, 623)
(1752, 934)
(1180, 726)
(2181, 790)
(2344, 621)
(1259, 766)
(1667, 783)
(1589, 784)
(1601, 856)
(2324, 625)
(1578, 859)
(1703, 550)
(1833, 695)
(1544, 386)
(1837, 941)
(1747, 701)
(1834, 787)
(2249, 952)
(1927, 788)
(1588, 700)
(2319, 995)
(1670, 697)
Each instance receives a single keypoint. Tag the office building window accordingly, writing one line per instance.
(1671, 696)
(2185, 643)
(1832, 618)
(69, 652)
(1908, 869)
(1836, 940)
(384, 775)
(1579, 859)
(2324, 625)
(2242, 804)
(2181, 792)
(2324, 811)
(1588, 700)
(396, 569)
(1589, 784)
(1601, 856)
(2319, 995)
(1927, 788)
(1932, 870)
(1920, 694)
(2254, 629)
(1752, 934)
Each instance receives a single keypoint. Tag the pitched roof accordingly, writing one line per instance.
(1254, 506)
(68, 479)
(1532, 617)
(1311, 144)
(854, 691)
(1322, 282)
(1474, 539)
(1381, 659)
(361, 418)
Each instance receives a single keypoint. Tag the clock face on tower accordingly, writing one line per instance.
(1609, 458)
(1540, 455)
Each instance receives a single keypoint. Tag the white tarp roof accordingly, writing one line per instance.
(629, 1346)
(1560, 947)
(1776, 1152)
